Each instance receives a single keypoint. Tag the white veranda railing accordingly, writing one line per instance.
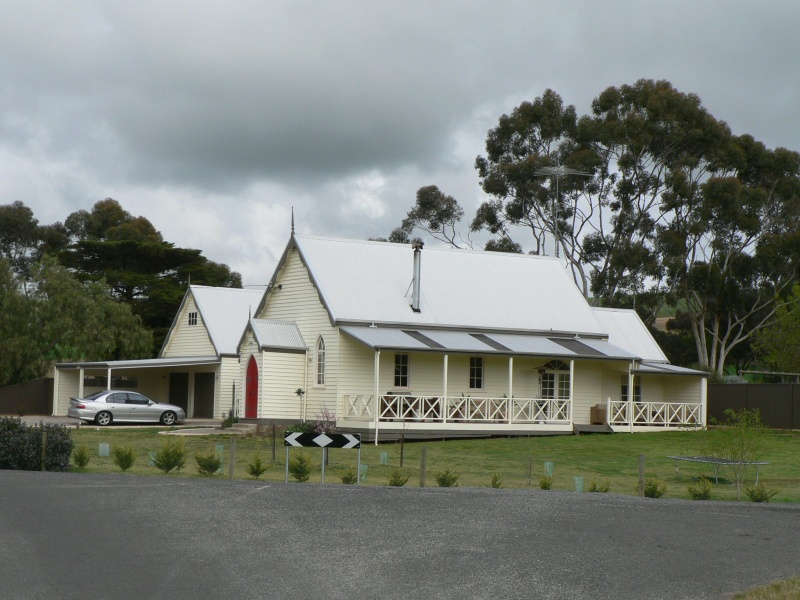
(459, 409)
(665, 414)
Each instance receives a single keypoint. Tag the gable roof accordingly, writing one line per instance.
(277, 335)
(224, 312)
(370, 282)
(627, 330)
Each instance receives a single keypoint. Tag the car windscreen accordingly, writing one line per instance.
(96, 395)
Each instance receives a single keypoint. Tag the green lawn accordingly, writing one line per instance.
(602, 458)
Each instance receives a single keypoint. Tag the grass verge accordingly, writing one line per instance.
(611, 459)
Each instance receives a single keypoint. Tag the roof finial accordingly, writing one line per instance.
(293, 220)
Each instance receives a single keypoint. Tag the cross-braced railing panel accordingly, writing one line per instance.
(665, 414)
(358, 406)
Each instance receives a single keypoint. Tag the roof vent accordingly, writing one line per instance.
(417, 246)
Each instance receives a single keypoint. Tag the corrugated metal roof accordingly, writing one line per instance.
(370, 282)
(283, 335)
(225, 312)
(626, 330)
(488, 343)
(183, 361)
(665, 369)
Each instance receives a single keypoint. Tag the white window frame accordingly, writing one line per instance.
(319, 363)
(480, 373)
(556, 374)
(407, 374)
(192, 318)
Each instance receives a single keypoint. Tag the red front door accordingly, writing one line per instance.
(251, 390)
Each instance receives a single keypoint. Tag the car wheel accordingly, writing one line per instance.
(168, 418)
(103, 418)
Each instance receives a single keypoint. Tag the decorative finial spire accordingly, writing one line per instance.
(293, 220)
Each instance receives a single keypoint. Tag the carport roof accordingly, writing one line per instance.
(147, 363)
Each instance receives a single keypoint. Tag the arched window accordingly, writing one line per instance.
(320, 377)
(554, 380)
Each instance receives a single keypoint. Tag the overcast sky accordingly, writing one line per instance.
(213, 119)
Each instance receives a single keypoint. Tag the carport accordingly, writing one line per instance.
(188, 382)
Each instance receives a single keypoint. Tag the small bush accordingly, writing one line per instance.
(700, 490)
(447, 478)
(496, 482)
(81, 456)
(208, 463)
(229, 420)
(300, 468)
(599, 487)
(171, 456)
(256, 467)
(123, 456)
(305, 427)
(21, 446)
(349, 476)
(760, 493)
(654, 488)
(397, 478)
(546, 482)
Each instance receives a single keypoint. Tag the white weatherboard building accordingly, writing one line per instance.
(427, 341)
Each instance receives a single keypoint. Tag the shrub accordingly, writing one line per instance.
(700, 490)
(300, 468)
(349, 476)
(81, 456)
(229, 420)
(654, 488)
(256, 468)
(599, 487)
(304, 427)
(208, 463)
(760, 493)
(496, 482)
(447, 478)
(21, 446)
(123, 456)
(171, 455)
(546, 482)
(398, 478)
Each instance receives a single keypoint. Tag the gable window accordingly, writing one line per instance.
(320, 376)
(554, 380)
(637, 389)
(401, 370)
(192, 318)
(476, 372)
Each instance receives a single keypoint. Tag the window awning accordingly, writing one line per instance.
(666, 369)
(444, 341)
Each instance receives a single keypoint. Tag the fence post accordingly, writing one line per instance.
(422, 457)
(233, 459)
(641, 475)
(44, 446)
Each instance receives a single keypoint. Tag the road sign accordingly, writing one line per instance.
(322, 440)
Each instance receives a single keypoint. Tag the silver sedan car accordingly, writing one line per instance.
(108, 406)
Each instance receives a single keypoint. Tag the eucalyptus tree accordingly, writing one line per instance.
(730, 248)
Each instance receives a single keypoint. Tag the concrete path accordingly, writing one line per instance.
(76, 536)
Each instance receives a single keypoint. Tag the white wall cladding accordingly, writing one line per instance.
(297, 300)
(189, 340)
(282, 374)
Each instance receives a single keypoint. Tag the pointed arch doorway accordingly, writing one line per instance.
(251, 390)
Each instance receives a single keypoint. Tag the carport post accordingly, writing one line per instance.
(233, 459)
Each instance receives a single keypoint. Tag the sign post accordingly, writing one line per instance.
(344, 441)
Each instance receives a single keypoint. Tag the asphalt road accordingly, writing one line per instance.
(125, 537)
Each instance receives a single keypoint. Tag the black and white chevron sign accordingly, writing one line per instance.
(322, 440)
